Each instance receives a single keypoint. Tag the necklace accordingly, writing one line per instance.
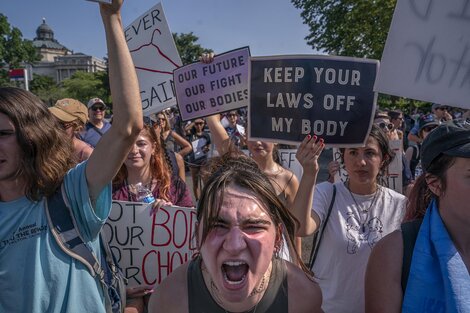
(364, 211)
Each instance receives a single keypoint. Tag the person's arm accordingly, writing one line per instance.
(307, 155)
(181, 171)
(183, 143)
(218, 133)
(383, 292)
(115, 144)
(188, 127)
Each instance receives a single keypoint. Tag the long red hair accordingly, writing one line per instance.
(159, 167)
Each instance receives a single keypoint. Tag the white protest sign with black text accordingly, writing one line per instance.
(293, 96)
(205, 89)
(148, 248)
(288, 160)
(155, 57)
(394, 176)
(427, 53)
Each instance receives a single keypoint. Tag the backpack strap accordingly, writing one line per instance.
(65, 231)
(409, 231)
(319, 235)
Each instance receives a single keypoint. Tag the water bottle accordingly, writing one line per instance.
(143, 194)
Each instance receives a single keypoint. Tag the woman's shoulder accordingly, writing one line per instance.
(172, 294)
(303, 292)
(394, 195)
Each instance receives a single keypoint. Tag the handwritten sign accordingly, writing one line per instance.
(149, 248)
(331, 97)
(427, 53)
(155, 57)
(392, 179)
(288, 160)
(206, 89)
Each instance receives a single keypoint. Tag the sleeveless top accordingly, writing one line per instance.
(274, 299)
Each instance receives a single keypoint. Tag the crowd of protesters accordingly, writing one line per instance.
(376, 250)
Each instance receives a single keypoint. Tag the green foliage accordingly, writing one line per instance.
(187, 47)
(14, 50)
(355, 28)
(84, 86)
(46, 89)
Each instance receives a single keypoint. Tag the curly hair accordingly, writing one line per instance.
(239, 169)
(158, 165)
(47, 153)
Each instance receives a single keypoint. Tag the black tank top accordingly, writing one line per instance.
(274, 299)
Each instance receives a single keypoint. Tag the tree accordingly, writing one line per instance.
(83, 86)
(46, 89)
(14, 50)
(187, 47)
(355, 28)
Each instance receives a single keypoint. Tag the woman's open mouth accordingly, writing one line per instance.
(234, 272)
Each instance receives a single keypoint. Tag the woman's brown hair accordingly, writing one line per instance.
(238, 169)
(47, 154)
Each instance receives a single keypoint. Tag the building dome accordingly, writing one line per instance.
(44, 32)
(45, 38)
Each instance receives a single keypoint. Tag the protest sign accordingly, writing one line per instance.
(155, 57)
(394, 173)
(148, 248)
(206, 89)
(331, 97)
(427, 52)
(288, 160)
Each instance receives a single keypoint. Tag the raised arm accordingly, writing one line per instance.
(183, 143)
(218, 133)
(115, 144)
(307, 155)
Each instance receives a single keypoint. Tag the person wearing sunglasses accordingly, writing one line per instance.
(413, 153)
(383, 121)
(173, 141)
(72, 116)
(97, 125)
(200, 141)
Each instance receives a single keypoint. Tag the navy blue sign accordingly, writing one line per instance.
(331, 97)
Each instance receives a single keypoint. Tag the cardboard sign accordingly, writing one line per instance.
(427, 53)
(288, 160)
(206, 89)
(148, 248)
(155, 57)
(331, 97)
(392, 180)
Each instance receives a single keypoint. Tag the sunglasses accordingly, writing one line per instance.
(65, 126)
(98, 108)
(386, 126)
(443, 108)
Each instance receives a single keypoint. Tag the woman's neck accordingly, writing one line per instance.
(12, 189)
(266, 164)
(457, 226)
(362, 189)
(141, 175)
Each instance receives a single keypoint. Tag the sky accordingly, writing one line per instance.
(268, 27)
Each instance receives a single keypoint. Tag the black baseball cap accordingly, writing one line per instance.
(450, 138)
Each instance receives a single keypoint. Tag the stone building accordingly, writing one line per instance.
(57, 61)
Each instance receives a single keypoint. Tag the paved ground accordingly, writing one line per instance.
(325, 158)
